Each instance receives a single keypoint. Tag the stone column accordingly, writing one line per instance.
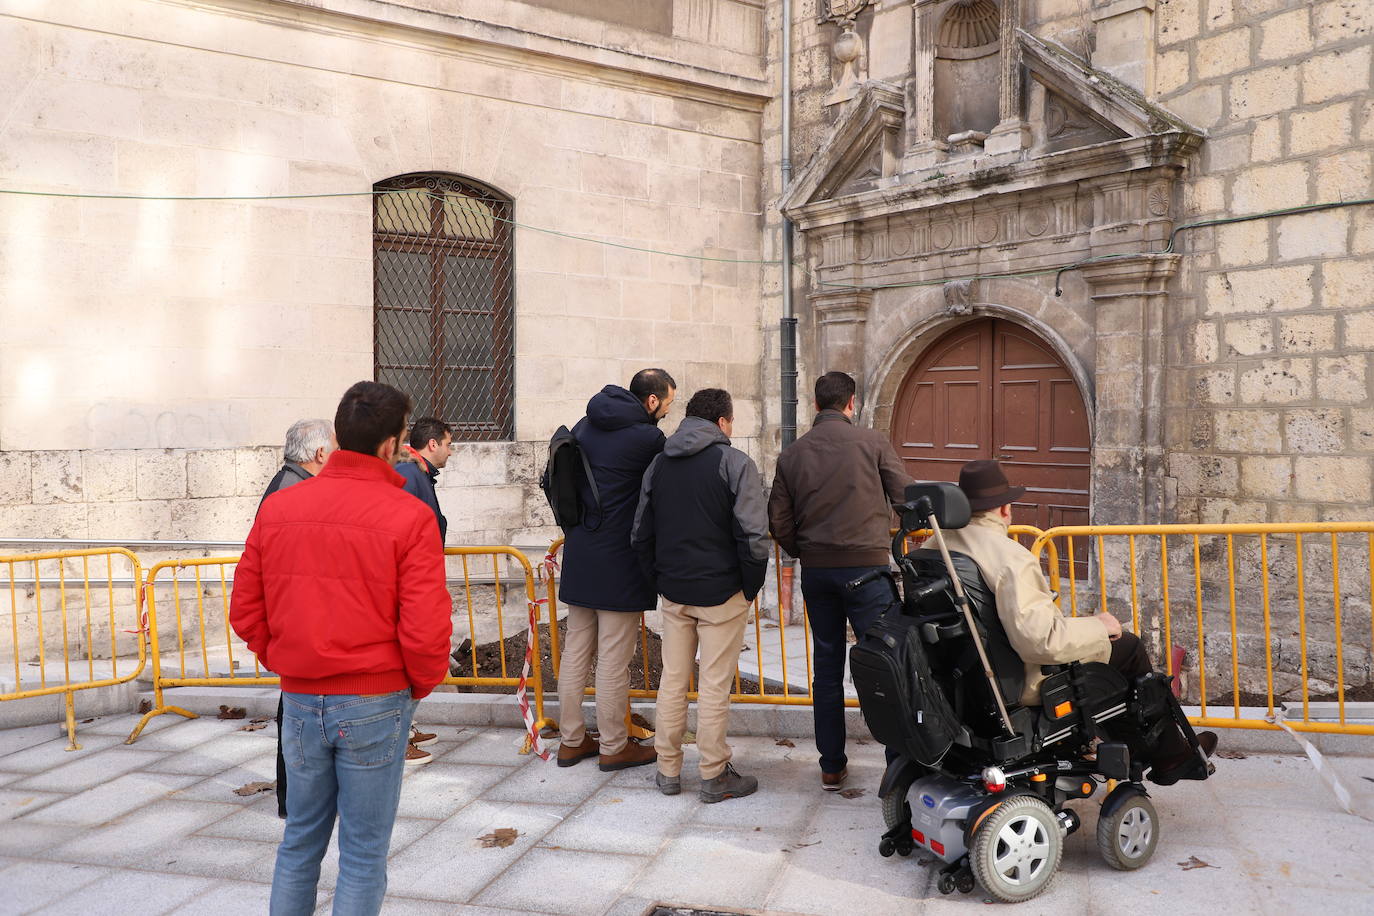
(1128, 442)
(1012, 132)
(841, 322)
(923, 149)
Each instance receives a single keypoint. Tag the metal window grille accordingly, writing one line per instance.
(443, 293)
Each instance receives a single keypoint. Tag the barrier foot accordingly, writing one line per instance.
(71, 722)
(637, 732)
(148, 717)
(527, 745)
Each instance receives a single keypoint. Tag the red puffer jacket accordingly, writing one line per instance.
(341, 588)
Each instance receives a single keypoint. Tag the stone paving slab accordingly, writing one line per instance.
(156, 828)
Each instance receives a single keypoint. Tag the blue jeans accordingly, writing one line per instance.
(344, 755)
(829, 605)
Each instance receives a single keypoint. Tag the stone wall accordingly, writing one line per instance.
(154, 353)
(1272, 321)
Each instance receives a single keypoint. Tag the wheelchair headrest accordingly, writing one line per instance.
(945, 501)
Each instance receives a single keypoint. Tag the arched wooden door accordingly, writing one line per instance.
(993, 389)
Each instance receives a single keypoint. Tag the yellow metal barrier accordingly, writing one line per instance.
(93, 623)
(782, 692)
(1273, 600)
(219, 652)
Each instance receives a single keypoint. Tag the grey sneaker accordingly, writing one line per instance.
(668, 785)
(729, 784)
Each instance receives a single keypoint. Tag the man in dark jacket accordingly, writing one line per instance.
(701, 532)
(831, 507)
(341, 591)
(307, 448)
(308, 444)
(431, 444)
(603, 587)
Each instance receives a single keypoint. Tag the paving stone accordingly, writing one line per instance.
(21, 802)
(47, 755)
(87, 771)
(544, 782)
(124, 891)
(144, 837)
(177, 734)
(405, 906)
(24, 840)
(229, 898)
(217, 857)
(7, 778)
(497, 746)
(218, 755)
(436, 790)
(30, 885)
(221, 786)
(1269, 844)
(1278, 898)
(1139, 891)
(635, 821)
(715, 867)
(103, 803)
(587, 883)
(834, 867)
(425, 869)
(14, 740)
(257, 822)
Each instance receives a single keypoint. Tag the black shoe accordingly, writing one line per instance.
(1188, 766)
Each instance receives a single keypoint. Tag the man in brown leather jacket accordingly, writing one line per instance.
(831, 507)
(1037, 630)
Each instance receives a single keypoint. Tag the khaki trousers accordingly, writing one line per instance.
(609, 636)
(717, 631)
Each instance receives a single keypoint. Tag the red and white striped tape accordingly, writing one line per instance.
(533, 742)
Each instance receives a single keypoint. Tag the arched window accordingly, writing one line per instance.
(443, 299)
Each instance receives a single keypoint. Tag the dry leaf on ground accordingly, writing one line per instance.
(255, 788)
(254, 726)
(852, 793)
(1195, 862)
(784, 742)
(145, 706)
(500, 838)
(232, 712)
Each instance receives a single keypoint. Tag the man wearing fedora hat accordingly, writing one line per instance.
(1038, 632)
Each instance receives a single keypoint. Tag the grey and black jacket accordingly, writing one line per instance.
(701, 529)
(290, 474)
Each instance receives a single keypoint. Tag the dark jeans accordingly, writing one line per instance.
(829, 605)
(1130, 658)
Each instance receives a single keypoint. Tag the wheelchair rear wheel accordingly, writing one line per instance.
(1127, 837)
(1017, 849)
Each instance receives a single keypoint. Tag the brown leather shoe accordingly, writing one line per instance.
(569, 754)
(634, 755)
(833, 782)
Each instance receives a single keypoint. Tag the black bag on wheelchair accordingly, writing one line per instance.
(903, 705)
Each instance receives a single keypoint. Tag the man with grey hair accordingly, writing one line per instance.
(308, 444)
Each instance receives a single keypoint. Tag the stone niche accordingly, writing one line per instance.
(966, 71)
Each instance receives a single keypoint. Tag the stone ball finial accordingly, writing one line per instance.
(848, 46)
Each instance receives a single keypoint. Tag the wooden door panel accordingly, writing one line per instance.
(992, 389)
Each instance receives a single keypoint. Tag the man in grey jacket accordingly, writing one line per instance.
(701, 535)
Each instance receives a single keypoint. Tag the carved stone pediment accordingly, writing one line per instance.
(863, 147)
(1072, 108)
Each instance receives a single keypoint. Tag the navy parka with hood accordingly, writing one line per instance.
(600, 571)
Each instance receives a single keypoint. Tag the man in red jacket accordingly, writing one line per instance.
(341, 591)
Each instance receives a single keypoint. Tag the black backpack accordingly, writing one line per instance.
(903, 705)
(563, 477)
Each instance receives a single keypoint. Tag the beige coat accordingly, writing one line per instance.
(1038, 632)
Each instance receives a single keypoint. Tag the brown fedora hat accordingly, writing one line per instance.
(985, 485)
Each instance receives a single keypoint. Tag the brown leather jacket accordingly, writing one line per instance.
(832, 496)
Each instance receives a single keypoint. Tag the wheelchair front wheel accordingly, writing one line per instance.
(1017, 849)
(1127, 837)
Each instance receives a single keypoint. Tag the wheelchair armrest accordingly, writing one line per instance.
(946, 626)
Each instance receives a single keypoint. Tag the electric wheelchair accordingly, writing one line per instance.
(979, 780)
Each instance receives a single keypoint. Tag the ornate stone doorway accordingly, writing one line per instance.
(991, 388)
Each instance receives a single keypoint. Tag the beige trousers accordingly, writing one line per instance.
(609, 636)
(717, 631)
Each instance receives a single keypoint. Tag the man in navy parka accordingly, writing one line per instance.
(603, 587)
